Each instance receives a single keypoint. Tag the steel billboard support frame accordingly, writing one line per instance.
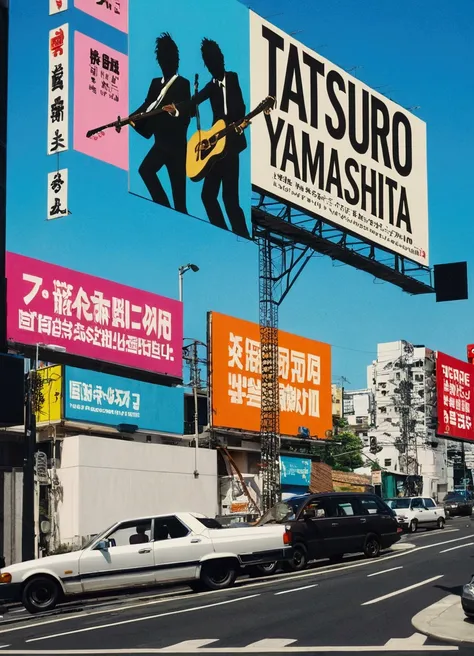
(281, 261)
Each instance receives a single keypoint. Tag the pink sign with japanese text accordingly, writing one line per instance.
(100, 96)
(92, 317)
(455, 391)
(112, 12)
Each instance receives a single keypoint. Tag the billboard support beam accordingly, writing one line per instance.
(280, 264)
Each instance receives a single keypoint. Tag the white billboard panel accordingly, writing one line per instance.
(336, 148)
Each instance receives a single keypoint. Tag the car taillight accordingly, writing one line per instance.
(399, 529)
(287, 536)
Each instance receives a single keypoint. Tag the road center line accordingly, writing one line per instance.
(459, 546)
(384, 571)
(397, 592)
(305, 587)
(439, 544)
(143, 619)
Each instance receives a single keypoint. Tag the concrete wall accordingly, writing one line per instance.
(12, 488)
(105, 480)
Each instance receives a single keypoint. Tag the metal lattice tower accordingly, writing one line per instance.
(270, 404)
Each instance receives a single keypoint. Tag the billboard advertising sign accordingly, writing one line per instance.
(214, 54)
(337, 148)
(112, 12)
(304, 380)
(92, 317)
(455, 392)
(111, 400)
(295, 471)
(50, 405)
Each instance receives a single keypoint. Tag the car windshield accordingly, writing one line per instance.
(455, 497)
(396, 504)
(93, 539)
(281, 512)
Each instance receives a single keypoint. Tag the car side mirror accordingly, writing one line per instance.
(103, 545)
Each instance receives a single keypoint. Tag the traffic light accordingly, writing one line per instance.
(373, 444)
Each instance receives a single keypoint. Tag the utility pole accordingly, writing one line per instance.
(28, 510)
(191, 357)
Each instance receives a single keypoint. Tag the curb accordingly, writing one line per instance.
(445, 620)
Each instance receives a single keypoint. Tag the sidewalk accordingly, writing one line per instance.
(445, 621)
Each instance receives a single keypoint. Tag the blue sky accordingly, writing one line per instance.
(420, 51)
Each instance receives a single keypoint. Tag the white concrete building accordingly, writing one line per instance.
(403, 380)
(359, 412)
(102, 480)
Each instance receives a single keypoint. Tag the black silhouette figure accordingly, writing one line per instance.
(227, 103)
(170, 132)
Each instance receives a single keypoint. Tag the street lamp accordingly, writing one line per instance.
(181, 271)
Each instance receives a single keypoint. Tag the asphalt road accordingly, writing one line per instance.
(360, 605)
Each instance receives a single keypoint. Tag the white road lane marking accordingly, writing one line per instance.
(305, 587)
(384, 571)
(191, 645)
(459, 546)
(415, 639)
(398, 592)
(278, 578)
(135, 620)
(396, 648)
(428, 534)
(270, 643)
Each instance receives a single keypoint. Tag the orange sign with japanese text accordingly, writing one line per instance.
(304, 379)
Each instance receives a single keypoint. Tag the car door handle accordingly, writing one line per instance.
(363, 521)
(335, 524)
(195, 540)
(144, 551)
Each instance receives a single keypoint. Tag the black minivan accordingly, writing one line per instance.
(331, 524)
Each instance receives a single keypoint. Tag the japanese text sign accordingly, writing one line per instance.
(50, 402)
(295, 471)
(100, 95)
(455, 391)
(57, 6)
(92, 317)
(304, 379)
(58, 90)
(57, 194)
(111, 400)
(112, 12)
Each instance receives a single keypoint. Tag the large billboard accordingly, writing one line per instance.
(165, 164)
(92, 318)
(336, 148)
(99, 398)
(235, 379)
(455, 394)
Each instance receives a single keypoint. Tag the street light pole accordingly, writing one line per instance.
(181, 271)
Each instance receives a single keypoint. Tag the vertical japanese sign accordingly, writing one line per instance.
(92, 317)
(57, 194)
(50, 406)
(455, 392)
(57, 6)
(100, 95)
(304, 379)
(112, 12)
(58, 90)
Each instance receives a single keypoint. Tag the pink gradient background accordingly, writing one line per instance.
(91, 110)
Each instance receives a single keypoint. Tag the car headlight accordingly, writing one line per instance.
(5, 577)
(468, 591)
(402, 518)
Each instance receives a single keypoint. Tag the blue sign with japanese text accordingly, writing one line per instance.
(111, 400)
(295, 471)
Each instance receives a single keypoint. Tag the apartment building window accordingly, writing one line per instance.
(387, 462)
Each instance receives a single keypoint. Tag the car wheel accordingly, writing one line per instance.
(337, 558)
(219, 574)
(299, 560)
(372, 547)
(413, 526)
(440, 523)
(263, 570)
(197, 586)
(40, 594)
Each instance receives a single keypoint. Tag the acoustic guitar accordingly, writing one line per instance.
(129, 120)
(206, 147)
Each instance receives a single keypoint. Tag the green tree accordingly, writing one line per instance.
(345, 453)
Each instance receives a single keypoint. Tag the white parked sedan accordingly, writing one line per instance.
(416, 512)
(183, 547)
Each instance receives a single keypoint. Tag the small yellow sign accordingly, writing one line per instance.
(51, 393)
